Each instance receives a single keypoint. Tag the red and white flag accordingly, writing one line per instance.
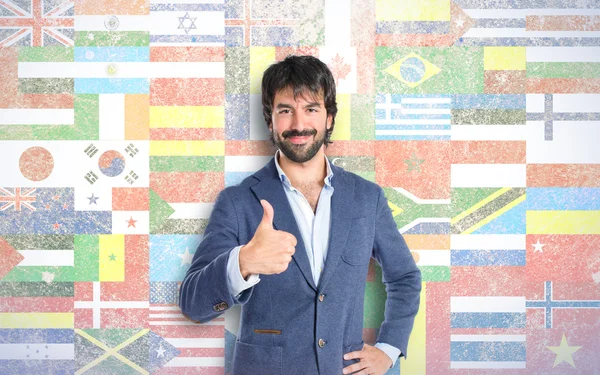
(201, 346)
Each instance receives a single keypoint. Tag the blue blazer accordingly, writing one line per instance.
(288, 324)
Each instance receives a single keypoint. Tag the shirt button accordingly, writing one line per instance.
(321, 297)
(321, 343)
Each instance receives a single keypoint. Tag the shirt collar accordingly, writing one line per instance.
(284, 179)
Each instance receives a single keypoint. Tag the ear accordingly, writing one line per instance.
(329, 121)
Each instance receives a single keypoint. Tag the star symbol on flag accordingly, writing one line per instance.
(564, 352)
(65, 206)
(112, 257)
(192, 25)
(459, 22)
(48, 277)
(93, 199)
(538, 246)
(414, 163)
(186, 258)
(56, 197)
(131, 222)
(56, 226)
(160, 352)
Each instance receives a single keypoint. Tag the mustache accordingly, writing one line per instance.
(296, 133)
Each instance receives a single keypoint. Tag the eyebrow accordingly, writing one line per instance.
(309, 105)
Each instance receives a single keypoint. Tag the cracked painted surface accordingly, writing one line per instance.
(121, 121)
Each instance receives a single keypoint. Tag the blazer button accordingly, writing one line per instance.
(221, 306)
(321, 343)
(321, 297)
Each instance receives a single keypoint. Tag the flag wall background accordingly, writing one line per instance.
(121, 120)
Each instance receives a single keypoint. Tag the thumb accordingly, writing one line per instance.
(268, 214)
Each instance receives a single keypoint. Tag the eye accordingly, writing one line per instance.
(284, 111)
(312, 110)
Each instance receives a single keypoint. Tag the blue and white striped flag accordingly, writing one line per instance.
(412, 117)
(37, 351)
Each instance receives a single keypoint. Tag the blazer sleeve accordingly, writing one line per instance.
(204, 293)
(400, 275)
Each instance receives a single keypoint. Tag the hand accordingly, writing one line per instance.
(373, 361)
(269, 251)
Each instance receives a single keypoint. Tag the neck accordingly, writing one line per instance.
(313, 170)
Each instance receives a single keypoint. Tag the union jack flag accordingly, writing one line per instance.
(36, 23)
(17, 199)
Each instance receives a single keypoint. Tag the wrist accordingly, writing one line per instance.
(242, 263)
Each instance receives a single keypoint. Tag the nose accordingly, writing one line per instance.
(298, 120)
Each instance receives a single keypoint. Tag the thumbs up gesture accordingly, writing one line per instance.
(270, 250)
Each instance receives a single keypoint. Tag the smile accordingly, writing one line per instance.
(299, 140)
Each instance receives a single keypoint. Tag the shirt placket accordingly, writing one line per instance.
(318, 238)
(308, 214)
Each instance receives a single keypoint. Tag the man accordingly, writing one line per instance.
(292, 245)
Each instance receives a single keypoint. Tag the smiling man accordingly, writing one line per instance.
(300, 145)
(292, 245)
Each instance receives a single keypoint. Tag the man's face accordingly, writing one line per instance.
(299, 125)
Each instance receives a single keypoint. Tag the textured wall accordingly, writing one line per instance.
(121, 120)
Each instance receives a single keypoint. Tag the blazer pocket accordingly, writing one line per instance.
(351, 348)
(357, 252)
(250, 359)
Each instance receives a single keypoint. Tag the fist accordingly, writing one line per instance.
(269, 251)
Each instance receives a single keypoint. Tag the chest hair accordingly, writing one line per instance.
(311, 191)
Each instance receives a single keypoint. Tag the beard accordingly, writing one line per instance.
(298, 153)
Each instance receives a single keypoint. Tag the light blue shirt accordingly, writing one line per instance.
(314, 228)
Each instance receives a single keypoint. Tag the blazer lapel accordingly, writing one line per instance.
(270, 189)
(341, 217)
